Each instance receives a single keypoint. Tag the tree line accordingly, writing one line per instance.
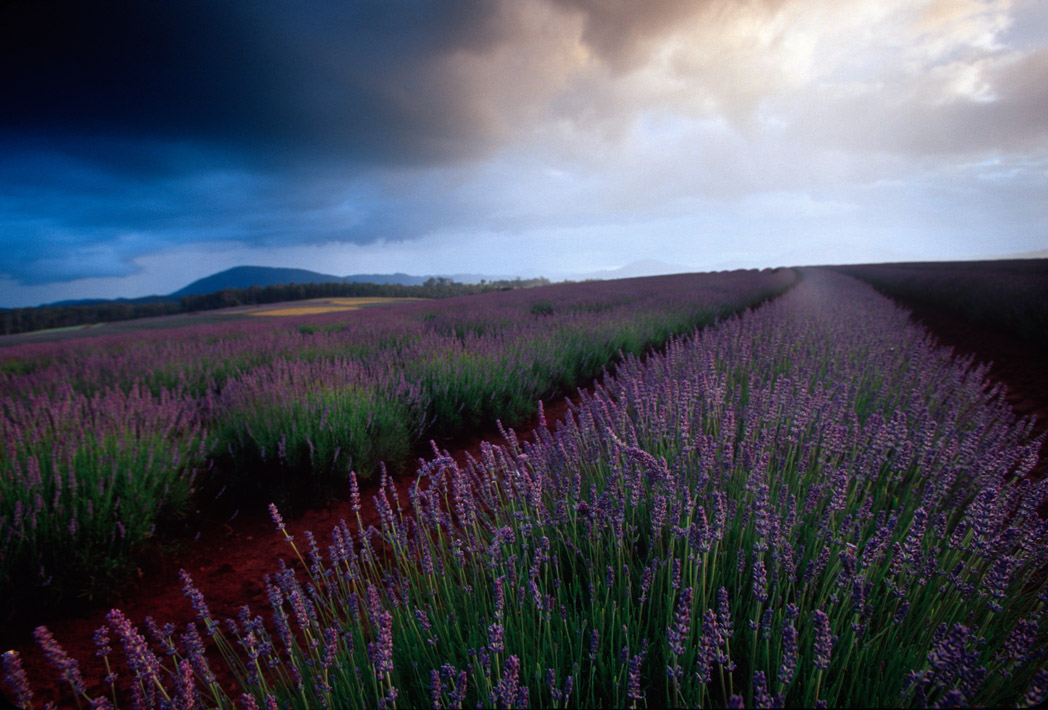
(23, 320)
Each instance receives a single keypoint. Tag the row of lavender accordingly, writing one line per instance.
(100, 440)
(1009, 294)
(808, 506)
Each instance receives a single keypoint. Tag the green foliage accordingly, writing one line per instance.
(542, 308)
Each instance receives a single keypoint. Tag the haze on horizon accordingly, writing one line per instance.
(145, 145)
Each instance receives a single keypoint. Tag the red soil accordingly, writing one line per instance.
(228, 560)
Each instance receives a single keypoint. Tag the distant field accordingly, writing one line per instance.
(323, 305)
(1007, 295)
(181, 320)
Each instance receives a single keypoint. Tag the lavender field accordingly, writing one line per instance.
(808, 505)
(1008, 295)
(104, 439)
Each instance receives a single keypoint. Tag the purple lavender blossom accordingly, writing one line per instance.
(67, 667)
(824, 640)
(1019, 646)
(1037, 693)
(380, 651)
(495, 638)
(435, 689)
(789, 655)
(997, 582)
(506, 691)
(633, 689)
(193, 648)
(185, 695)
(761, 696)
(724, 614)
(15, 679)
(197, 600)
(140, 658)
(101, 641)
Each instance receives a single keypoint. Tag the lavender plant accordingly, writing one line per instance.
(102, 439)
(783, 510)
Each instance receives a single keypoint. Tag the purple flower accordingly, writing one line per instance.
(699, 532)
(506, 692)
(709, 651)
(143, 663)
(495, 638)
(1037, 693)
(330, 655)
(380, 651)
(633, 691)
(193, 647)
(275, 515)
(678, 632)
(67, 667)
(761, 696)
(435, 688)
(824, 640)
(1017, 647)
(185, 697)
(500, 597)
(354, 491)
(766, 623)
(569, 685)
(997, 581)
(724, 614)
(101, 640)
(197, 600)
(15, 679)
(789, 654)
(901, 612)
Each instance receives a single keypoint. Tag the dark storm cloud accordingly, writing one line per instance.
(262, 77)
(66, 218)
(129, 125)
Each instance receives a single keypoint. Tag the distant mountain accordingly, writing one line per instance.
(645, 267)
(397, 278)
(1040, 254)
(248, 276)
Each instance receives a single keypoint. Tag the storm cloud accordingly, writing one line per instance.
(590, 132)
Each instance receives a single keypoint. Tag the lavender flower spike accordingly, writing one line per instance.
(824, 640)
(56, 655)
(1038, 691)
(15, 679)
(789, 654)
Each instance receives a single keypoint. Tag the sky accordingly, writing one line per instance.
(145, 144)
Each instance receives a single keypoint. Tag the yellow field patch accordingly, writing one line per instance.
(329, 305)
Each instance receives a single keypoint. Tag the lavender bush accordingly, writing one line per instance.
(101, 438)
(810, 505)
